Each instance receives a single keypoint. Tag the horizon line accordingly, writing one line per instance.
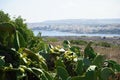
(71, 19)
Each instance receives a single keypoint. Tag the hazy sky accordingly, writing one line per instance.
(40, 10)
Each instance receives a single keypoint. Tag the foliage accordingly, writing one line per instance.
(9, 27)
(55, 63)
(4, 17)
(51, 39)
(36, 44)
(89, 52)
(41, 61)
(22, 28)
(82, 42)
(7, 31)
(79, 42)
(104, 44)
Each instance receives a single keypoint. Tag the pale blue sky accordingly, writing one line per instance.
(40, 10)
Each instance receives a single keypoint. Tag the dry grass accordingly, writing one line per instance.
(110, 53)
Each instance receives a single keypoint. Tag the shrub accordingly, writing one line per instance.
(104, 44)
(79, 42)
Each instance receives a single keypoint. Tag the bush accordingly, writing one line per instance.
(51, 39)
(79, 42)
(104, 44)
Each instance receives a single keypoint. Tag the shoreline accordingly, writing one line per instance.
(60, 33)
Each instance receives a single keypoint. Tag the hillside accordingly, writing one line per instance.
(100, 26)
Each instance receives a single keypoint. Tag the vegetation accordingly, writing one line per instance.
(26, 57)
(51, 39)
(82, 42)
(79, 42)
(4, 17)
(9, 28)
(104, 44)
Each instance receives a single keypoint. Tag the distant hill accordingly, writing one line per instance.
(83, 21)
(78, 21)
(106, 26)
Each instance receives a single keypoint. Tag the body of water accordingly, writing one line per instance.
(58, 33)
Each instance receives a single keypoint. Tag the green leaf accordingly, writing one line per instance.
(21, 40)
(76, 50)
(89, 52)
(44, 65)
(117, 67)
(66, 44)
(7, 27)
(60, 63)
(86, 63)
(49, 77)
(33, 56)
(16, 41)
(37, 72)
(2, 61)
(79, 68)
(6, 34)
(62, 73)
(33, 71)
(91, 73)
(98, 61)
(42, 74)
(106, 73)
(114, 65)
(77, 78)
